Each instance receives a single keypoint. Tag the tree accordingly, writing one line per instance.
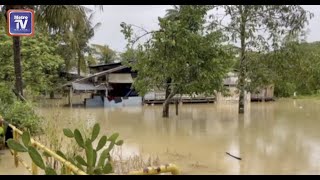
(173, 13)
(181, 58)
(247, 22)
(78, 39)
(296, 68)
(41, 64)
(104, 53)
(56, 18)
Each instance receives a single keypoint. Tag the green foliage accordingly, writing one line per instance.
(77, 41)
(18, 113)
(293, 68)
(22, 116)
(92, 165)
(1, 131)
(2, 138)
(297, 68)
(259, 28)
(262, 26)
(105, 53)
(36, 157)
(41, 63)
(68, 133)
(6, 95)
(195, 60)
(16, 146)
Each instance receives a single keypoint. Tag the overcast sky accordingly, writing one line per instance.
(147, 17)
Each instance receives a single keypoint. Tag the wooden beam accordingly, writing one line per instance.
(96, 75)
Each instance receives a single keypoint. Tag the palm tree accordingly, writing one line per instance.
(57, 18)
(172, 14)
(105, 54)
(79, 37)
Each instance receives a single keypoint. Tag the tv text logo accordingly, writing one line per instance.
(20, 22)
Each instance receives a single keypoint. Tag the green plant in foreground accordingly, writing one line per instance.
(91, 164)
(1, 131)
(1, 137)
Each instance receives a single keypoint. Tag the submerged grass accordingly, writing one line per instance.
(314, 96)
(123, 165)
(54, 139)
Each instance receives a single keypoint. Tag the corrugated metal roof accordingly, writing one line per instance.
(120, 78)
(87, 87)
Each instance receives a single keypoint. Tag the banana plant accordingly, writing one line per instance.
(91, 164)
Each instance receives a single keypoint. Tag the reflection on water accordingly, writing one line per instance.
(280, 137)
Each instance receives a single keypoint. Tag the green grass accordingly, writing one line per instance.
(313, 96)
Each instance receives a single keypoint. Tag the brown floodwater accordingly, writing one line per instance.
(279, 137)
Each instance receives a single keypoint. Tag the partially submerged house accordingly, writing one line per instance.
(110, 85)
(263, 94)
(231, 83)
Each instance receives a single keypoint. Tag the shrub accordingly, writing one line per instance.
(20, 114)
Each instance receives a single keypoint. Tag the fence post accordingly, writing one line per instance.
(34, 169)
(15, 153)
(68, 171)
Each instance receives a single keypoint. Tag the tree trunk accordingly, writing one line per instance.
(52, 95)
(242, 60)
(242, 144)
(79, 62)
(177, 107)
(17, 64)
(165, 111)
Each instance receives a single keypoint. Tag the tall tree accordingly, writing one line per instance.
(78, 39)
(181, 58)
(250, 24)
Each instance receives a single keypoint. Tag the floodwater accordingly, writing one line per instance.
(279, 137)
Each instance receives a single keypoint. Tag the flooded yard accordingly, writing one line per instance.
(279, 137)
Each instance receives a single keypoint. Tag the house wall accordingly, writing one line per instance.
(129, 101)
(234, 96)
(96, 101)
(267, 93)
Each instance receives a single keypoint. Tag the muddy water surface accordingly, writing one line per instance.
(281, 137)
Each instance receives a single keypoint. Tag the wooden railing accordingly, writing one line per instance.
(34, 169)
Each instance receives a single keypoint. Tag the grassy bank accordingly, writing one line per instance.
(313, 96)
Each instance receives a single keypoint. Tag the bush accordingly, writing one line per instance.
(6, 95)
(284, 89)
(20, 114)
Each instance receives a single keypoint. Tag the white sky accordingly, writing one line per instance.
(147, 17)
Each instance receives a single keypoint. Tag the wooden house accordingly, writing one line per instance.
(231, 82)
(109, 85)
